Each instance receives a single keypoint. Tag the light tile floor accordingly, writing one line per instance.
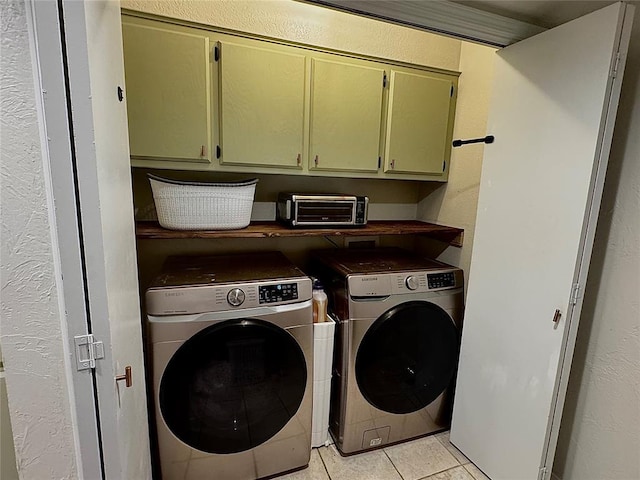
(428, 458)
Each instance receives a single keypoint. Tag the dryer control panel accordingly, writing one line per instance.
(385, 284)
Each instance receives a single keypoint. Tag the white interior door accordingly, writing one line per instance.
(553, 108)
(95, 70)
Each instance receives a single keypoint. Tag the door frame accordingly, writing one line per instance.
(48, 37)
(60, 37)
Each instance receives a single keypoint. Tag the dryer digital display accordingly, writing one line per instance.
(281, 292)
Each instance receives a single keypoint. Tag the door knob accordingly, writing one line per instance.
(126, 377)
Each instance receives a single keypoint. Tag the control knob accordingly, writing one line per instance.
(235, 297)
(411, 282)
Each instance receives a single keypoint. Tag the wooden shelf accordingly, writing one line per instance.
(451, 235)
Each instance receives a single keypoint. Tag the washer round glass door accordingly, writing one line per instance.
(233, 386)
(407, 358)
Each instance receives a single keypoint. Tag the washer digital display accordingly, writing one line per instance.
(280, 292)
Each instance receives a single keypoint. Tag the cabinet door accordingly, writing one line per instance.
(419, 118)
(346, 112)
(168, 100)
(262, 93)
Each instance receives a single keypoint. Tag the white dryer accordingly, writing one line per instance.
(397, 344)
(231, 341)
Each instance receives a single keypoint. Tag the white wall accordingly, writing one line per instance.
(455, 203)
(32, 324)
(600, 431)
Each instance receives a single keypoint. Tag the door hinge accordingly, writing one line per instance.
(216, 52)
(88, 350)
(575, 293)
(543, 473)
(384, 80)
(614, 68)
(218, 151)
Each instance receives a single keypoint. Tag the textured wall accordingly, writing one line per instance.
(304, 23)
(600, 431)
(455, 203)
(32, 329)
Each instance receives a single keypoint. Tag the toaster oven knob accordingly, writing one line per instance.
(235, 297)
(411, 282)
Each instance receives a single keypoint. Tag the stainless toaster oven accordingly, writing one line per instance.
(312, 209)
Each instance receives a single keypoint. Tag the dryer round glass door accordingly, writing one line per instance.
(233, 386)
(408, 357)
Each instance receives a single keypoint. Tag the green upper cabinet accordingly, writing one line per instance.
(202, 98)
(419, 123)
(168, 92)
(346, 113)
(262, 105)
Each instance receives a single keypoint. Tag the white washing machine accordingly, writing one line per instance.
(397, 344)
(231, 341)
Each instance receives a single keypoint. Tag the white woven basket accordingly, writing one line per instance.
(184, 205)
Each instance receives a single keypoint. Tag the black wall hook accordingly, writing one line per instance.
(487, 139)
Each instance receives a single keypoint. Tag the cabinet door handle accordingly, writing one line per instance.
(299, 159)
(315, 160)
(393, 164)
(203, 151)
(556, 316)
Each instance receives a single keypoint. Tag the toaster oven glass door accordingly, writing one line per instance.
(314, 213)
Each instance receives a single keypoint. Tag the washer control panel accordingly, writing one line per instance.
(218, 298)
(279, 292)
(441, 280)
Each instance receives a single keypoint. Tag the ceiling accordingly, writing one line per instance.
(545, 13)
(491, 22)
